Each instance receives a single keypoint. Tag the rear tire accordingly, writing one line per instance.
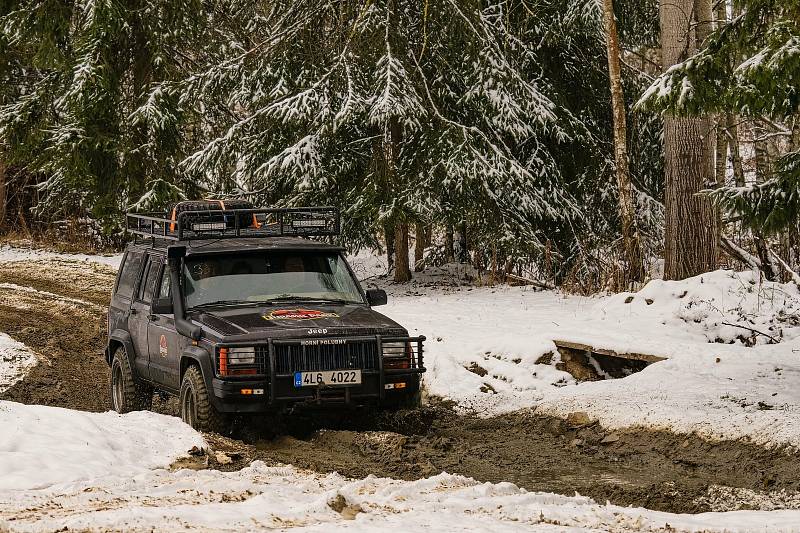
(126, 393)
(196, 407)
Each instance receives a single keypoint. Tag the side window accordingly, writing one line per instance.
(164, 291)
(148, 287)
(130, 274)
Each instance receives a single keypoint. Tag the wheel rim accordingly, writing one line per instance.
(188, 407)
(117, 387)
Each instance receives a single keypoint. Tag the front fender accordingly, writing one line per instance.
(199, 356)
(122, 337)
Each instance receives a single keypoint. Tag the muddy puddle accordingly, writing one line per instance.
(57, 308)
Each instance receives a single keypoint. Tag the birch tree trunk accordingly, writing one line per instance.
(725, 138)
(627, 210)
(691, 233)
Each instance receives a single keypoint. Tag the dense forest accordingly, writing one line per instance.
(563, 142)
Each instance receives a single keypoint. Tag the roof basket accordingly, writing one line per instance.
(235, 223)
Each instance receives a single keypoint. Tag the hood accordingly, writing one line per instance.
(297, 320)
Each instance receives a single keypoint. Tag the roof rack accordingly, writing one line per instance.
(235, 223)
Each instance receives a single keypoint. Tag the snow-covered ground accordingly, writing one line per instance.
(66, 470)
(62, 468)
(42, 447)
(10, 253)
(712, 388)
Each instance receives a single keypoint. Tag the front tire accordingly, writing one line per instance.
(196, 407)
(126, 393)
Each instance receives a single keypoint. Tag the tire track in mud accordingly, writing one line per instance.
(643, 468)
(65, 325)
(57, 308)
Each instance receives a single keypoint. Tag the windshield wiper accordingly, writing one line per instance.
(225, 303)
(294, 298)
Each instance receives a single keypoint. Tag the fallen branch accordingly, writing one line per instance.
(740, 254)
(776, 341)
(787, 268)
(540, 284)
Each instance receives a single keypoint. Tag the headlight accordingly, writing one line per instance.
(242, 355)
(396, 355)
(395, 349)
(236, 361)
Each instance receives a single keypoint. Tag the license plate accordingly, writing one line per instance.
(327, 377)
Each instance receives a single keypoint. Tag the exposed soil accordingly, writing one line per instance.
(66, 329)
(653, 469)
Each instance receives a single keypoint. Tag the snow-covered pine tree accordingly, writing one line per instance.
(131, 105)
(751, 67)
(80, 70)
(402, 112)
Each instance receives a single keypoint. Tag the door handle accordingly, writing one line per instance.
(134, 311)
(153, 318)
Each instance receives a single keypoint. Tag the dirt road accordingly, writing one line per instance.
(58, 309)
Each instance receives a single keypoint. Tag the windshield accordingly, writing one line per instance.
(266, 276)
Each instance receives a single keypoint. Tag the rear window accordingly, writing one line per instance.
(148, 287)
(130, 274)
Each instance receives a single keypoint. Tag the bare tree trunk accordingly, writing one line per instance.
(760, 149)
(420, 243)
(388, 236)
(402, 272)
(691, 231)
(721, 164)
(768, 266)
(736, 156)
(3, 195)
(449, 246)
(460, 244)
(723, 119)
(627, 210)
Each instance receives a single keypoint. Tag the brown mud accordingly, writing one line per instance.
(654, 469)
(66, 329)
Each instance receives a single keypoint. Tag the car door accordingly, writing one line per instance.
(140, 315)
(163, 340)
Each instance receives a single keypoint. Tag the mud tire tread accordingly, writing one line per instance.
(137, 396)
(207, 418)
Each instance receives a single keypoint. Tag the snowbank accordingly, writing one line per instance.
(45, 446)
(15, 360)
(484, 343)
(724, 306)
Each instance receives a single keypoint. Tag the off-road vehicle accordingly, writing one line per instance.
(237, 310)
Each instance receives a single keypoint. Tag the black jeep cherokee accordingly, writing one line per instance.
(236, 311)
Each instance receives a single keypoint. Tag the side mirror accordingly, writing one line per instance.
(162, 306)
(376, 297)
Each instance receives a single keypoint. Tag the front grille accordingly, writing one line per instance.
(299, 357)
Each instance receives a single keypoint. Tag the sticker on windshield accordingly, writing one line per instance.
(299, 314)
